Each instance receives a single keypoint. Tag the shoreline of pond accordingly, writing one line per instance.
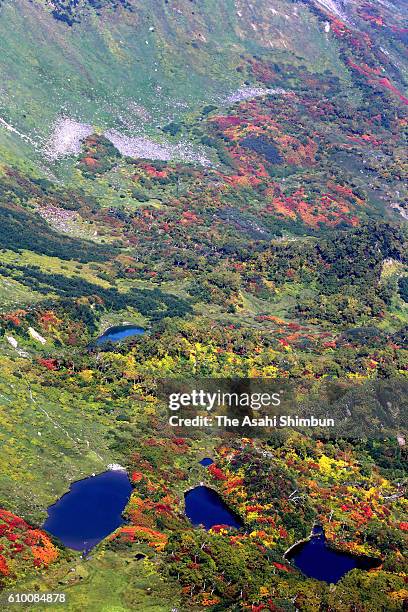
(317, 535)
(117, 333)
(90, 510)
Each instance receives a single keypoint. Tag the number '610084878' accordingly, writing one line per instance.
(34, 598)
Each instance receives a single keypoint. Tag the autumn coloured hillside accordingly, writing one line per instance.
(230, 178)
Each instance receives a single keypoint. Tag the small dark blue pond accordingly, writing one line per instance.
(315, 559)
(90, 511)
(206, 461)
(205, 507)
(113, 334)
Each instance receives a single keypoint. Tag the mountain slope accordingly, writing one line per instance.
(230, 177)
(136, 69)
